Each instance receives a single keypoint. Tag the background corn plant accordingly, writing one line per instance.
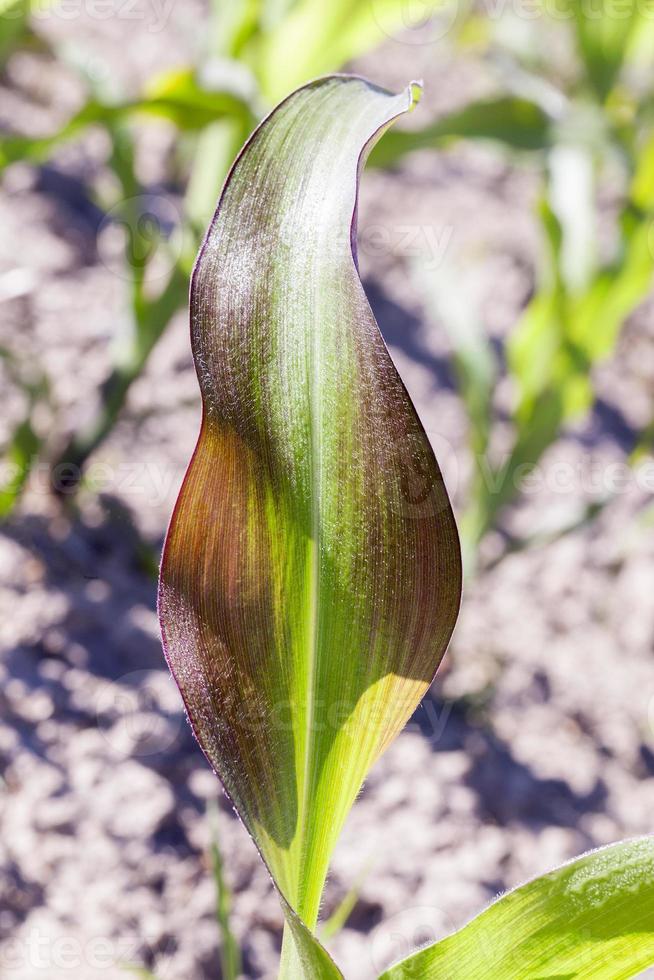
(252, 57)
(583, 126)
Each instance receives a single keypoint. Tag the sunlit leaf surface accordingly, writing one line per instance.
(592, 918)
(311, 575)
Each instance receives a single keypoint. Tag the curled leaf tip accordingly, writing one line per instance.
(416, 89)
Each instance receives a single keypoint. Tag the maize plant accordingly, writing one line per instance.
(311, 575)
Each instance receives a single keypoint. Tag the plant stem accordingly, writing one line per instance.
(152, 317)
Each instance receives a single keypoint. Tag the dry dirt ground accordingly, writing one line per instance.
(537, 741)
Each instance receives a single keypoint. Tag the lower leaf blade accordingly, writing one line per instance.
(590, 918)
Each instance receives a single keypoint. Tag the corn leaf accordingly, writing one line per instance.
(19, 456)
(518, 123)
(21, 451)
(230, 952)
(341, 914)
(591, 918)
(311, 573)
(177, 97)
(603, 34)
(303, 956)
(14, 20)
(317, 36)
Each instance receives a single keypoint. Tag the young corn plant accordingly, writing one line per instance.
(311, 575)
(579, 122)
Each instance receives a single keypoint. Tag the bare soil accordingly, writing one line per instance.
(537, 741)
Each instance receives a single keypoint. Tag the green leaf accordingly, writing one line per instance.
(472, 353)
(230, 953)
(176, 96)
(476, 375)
(339, 917)
(518, 123)
(19, 455)
(563, 334)
(318, 36)
(591, 918)
(598, 316)
(14, 20)
(232, 25)
(37, 149)
(179, 97)
(21, 451)
(15, 29)
(311, 574)
(303, 957)
(572, 323)
(642, 186)
(216, 147)
(603, 33)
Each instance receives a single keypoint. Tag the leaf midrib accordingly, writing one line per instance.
(313, 566)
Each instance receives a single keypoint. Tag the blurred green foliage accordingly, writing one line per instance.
(575, 116)
(256, 51)
(578, 123)
(230, 951)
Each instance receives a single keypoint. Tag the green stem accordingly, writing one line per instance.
(152, 317)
